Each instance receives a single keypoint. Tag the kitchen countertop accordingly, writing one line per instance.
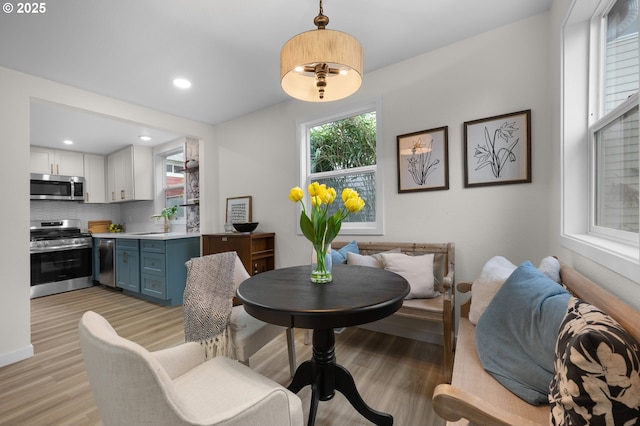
(153, 235)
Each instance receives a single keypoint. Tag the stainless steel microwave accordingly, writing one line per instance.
(57, 187)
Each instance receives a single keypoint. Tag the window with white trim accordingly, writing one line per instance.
(600, 143)
(341, 151)
(173, 181)
(614, 131)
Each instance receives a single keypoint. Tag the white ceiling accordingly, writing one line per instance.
(131, 50)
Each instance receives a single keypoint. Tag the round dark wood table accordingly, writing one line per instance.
(357, 295)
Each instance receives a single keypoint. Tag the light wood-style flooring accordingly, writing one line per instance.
(393, 374)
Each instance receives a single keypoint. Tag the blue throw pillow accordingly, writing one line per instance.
(516, 334)
(340, 256)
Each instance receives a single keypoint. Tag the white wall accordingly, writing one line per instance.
(17, 89)
(503, 71)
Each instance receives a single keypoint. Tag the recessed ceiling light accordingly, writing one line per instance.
(182, 83)
(67, 142)
(145, 138)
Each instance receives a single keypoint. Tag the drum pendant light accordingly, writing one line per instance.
(321, 65)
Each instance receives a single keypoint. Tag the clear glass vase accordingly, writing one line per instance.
(321, 264)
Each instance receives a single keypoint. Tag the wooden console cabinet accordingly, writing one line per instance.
(256, 250)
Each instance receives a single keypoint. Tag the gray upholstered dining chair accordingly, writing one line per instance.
(176, 386)
(247, 334)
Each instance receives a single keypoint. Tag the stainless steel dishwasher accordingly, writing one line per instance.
(107, 250)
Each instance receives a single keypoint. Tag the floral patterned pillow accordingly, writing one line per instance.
(597, 378)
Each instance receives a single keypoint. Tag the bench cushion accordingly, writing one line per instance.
(597, 373)
(516, 334)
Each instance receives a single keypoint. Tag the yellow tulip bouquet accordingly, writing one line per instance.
(320, 229)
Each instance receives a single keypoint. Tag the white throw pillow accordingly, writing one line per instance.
(494, 273)
(417, 270)
(550, 266)
(374, 261)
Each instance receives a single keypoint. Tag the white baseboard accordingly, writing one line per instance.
(19, 355)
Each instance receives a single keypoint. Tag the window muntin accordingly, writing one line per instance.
(342, 151)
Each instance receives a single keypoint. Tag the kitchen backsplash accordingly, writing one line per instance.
(44, 210)
(136, 216)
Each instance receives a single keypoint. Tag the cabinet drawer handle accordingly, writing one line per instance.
(125, 257)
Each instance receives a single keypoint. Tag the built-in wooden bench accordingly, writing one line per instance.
(419, 312)
(475, 397)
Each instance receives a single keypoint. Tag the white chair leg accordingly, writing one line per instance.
(307, 337)
(291, 346)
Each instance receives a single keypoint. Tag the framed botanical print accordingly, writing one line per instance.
(497, 150)
(423, 163)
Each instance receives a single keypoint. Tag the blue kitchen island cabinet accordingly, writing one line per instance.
(163, 274)
(127, 267)
(151, 265)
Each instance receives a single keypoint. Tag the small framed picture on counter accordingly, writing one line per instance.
(238, 209)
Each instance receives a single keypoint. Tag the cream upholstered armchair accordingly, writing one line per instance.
(247, 334)
(175, 386)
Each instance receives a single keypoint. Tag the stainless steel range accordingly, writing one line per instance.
(61, 257)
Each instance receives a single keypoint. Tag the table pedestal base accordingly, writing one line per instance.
(325, 377)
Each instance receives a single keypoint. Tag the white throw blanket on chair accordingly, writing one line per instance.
(208, 299)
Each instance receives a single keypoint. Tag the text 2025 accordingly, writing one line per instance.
(31, 8)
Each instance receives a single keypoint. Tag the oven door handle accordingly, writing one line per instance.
(60, 248)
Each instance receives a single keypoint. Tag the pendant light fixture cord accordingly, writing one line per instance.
(321, 21)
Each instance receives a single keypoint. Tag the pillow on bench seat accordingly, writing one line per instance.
(597, 370)
(340, 255)
(417, 270)
(516, 334)
(374, 260)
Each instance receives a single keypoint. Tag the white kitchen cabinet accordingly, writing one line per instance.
(130, 174)
(41, 160)
(94, 179)
(56, 162)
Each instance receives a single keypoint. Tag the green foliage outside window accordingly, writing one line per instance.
(342, 145)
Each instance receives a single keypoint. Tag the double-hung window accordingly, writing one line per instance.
(600, 167)
(614, 131)
(173, 180)
(342, 151)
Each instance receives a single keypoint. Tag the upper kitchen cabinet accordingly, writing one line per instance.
(94, 178)
(56, 162)
(130, 174)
